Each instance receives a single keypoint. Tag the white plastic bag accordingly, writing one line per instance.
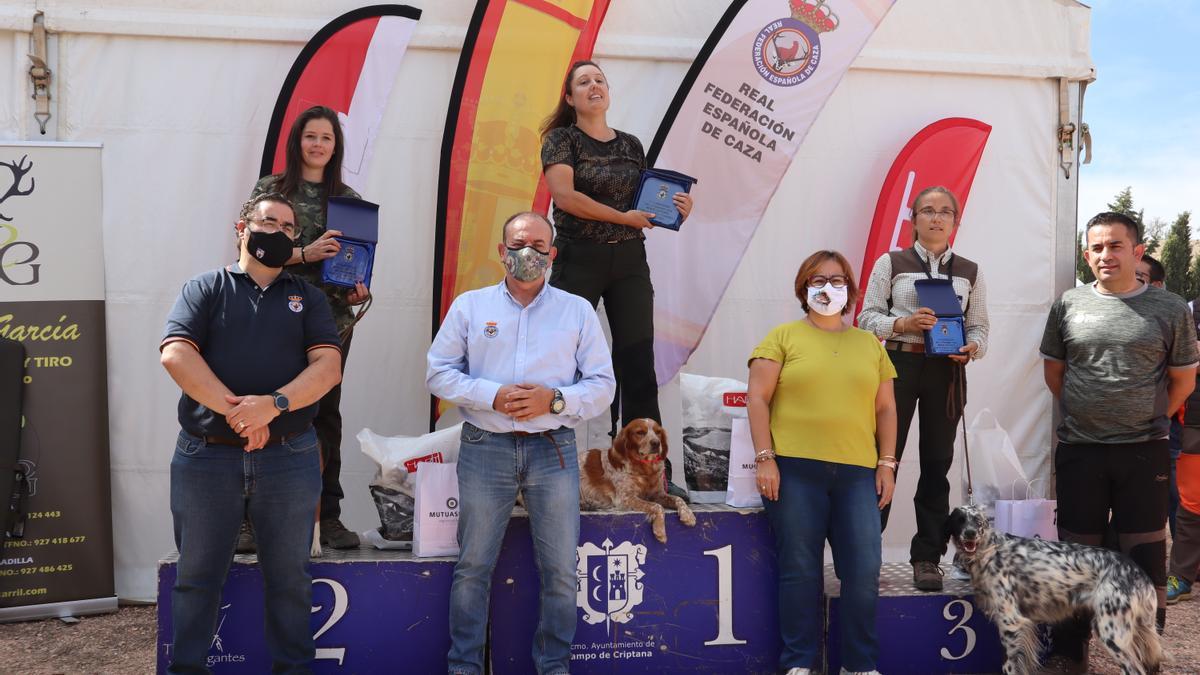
(743, 484)
(398, 455)
(995, 467)
(435, 523)
(710, 404)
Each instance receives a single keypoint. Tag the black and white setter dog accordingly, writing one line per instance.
(1021, 582)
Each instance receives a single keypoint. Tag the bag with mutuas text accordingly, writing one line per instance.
(743, 471)
(435, 518)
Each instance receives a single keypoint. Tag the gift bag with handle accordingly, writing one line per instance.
(743, 479)
(1032, 517)
(435, 521)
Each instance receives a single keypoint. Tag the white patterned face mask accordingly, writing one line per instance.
(827, 300)
(526, 263)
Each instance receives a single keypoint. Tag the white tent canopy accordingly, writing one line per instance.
(181, 97)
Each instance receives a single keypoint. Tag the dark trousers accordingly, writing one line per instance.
(618, 274)
(926, 383)
(1130, 480)
(1185, 548)
(1176, 445)
(328, 424)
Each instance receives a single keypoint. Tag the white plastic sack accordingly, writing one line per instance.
(710, 404)
(743, 483)
(994, 464)
(398, 455)
(394, 487)
(435, 524)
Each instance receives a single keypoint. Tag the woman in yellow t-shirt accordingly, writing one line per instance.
(823, 418)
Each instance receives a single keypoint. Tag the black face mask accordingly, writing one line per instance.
(272, 249)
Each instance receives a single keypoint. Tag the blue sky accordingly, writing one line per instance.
(1144, 107)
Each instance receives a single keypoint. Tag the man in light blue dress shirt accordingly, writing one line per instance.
(526, 363)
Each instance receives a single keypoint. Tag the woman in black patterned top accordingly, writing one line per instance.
(592, 171)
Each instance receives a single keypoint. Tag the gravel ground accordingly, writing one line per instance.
(124, 643)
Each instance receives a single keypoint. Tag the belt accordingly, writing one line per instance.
(240, 442)
(549, 434)
(535, 433)
(896, 346)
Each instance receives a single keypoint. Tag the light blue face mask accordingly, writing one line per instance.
(526, 263)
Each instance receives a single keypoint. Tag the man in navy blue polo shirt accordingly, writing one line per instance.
(253, 349)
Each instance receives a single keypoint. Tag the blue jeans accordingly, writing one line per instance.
(818, 501)
(492, 468)
(213, 487)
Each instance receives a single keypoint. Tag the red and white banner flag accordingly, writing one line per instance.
(945, 153)
(740, 115)
(350, 65)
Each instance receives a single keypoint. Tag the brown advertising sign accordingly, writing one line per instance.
(58, 559)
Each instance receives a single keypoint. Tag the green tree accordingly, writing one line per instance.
(1176, 257)
(1195, 274)
(1153, 236)
(1082, 271)
(1123, 204)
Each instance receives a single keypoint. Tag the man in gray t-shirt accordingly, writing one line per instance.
(1117, 351)
(1119, 356)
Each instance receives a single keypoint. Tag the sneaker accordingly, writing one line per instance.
(927, 576)
(799, 671)
(859, 672)
(335, 535)
(1178, 589)
(245, 539)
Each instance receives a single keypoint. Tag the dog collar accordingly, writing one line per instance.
(653, 460)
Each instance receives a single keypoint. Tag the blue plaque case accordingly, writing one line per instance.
(358, 221)
(656, 192)
(947, 335)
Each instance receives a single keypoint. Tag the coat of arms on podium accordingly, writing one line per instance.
(609, 583)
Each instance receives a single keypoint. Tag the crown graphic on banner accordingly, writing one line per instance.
(815, 13)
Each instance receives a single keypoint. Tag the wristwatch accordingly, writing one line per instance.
(281, 401)
(558, 403)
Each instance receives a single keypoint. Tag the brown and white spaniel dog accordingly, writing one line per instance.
(629, 476)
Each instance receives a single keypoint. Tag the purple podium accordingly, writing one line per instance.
(920, 633)
(704, 602)
(373, 612)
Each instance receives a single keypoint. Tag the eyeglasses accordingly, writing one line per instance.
(928, 212)
(837, 280)
(288, 228)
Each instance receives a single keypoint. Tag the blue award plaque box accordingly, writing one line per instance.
(656, 192)
(947, 335)
(358, 221)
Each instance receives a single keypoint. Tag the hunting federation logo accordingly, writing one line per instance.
(609, 583)
(295, 303)
(788, 50)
